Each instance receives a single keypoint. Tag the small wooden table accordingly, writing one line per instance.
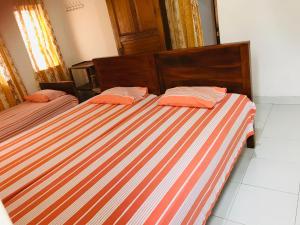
(90, 89)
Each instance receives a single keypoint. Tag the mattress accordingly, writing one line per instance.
(29, 114)
(141, 164)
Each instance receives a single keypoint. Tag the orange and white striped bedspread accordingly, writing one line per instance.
(141, 164)
(24, 116)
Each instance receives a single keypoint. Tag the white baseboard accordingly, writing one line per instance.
(286, 100)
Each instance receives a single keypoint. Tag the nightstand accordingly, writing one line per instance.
(83, 75)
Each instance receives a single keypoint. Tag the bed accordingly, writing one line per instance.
(139, 164)
(29, 114)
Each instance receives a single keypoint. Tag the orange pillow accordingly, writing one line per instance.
(45, 95)
(120, 96)
(199, 97)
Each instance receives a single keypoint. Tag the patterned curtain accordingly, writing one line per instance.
(185, 23)
(40, 41)
(12, 90)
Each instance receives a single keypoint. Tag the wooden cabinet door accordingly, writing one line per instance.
(138, 25)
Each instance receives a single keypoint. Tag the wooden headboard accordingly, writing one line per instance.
(126, 71)
(225, 65)
(66, 86)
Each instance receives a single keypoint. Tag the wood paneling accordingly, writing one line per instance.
(137, 25)
(145, 18)
(123, 13)
(147, 43)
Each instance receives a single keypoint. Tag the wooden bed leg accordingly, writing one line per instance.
(251, 142)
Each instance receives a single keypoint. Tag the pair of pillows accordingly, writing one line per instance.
(200, 97)
(44, 96)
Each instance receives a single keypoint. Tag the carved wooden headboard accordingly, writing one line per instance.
(126, 71)
(225, 65)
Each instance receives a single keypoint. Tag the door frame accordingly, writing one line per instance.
(216, 18)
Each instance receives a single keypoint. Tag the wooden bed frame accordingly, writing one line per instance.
(225, 65)
(66, 86)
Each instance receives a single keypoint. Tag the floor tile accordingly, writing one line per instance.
(241, 166)
(274, 175)
(257, 206)
(270, 175)
(219, 221)
(232, 223)
(224, 204)
(258, 135)
(262, 113)
(216, 221)
(279, 150)
(283, 122)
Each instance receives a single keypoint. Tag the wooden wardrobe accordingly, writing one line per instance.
(139, 25)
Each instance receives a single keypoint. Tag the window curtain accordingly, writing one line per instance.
(12, 90)
(184, 23)
(40, 41)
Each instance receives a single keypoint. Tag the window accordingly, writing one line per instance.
(3, 72)
(37, 43)
(40, 42)
(12, 88)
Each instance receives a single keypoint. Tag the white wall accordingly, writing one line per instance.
(208, 22)
(273, 28)
(14, 42)
(83, 34)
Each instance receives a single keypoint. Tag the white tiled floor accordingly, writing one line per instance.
(264, 186)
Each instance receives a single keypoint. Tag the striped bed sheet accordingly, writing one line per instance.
(141, 164)
(29, 114)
